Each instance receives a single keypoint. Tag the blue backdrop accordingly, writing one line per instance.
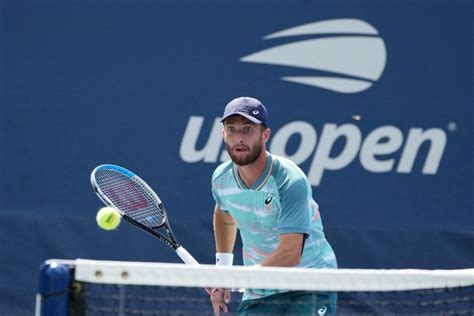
(373, 100)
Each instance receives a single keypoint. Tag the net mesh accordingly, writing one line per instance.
(127, 288)
(130, 196)
(156, 300)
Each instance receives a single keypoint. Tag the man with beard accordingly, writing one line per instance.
(269, 199)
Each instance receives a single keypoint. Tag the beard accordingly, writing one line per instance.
(251, 157)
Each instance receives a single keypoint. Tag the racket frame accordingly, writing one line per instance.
(170, 241)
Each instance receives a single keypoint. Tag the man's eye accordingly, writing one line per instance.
(248, 129)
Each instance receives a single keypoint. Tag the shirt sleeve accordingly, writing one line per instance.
(218, 201)
(294, 215)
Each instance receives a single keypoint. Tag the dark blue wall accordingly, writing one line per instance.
(92, 82)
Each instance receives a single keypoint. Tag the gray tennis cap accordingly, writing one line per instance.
(247, 107)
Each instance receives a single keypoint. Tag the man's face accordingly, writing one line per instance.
(244, 139)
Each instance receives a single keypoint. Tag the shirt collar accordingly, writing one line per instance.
(261, 180)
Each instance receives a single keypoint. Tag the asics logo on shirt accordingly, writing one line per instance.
(322, 310)
(269, 199)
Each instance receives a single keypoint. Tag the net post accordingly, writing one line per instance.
(53, 289)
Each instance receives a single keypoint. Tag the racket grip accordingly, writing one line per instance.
(186, 256)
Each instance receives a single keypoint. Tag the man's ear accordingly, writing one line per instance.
(266, 134)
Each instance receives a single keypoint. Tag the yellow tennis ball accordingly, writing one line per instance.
(108, 218)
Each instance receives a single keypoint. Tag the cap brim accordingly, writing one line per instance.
(250, 118)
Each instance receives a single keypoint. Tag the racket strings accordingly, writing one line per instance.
(131, 197)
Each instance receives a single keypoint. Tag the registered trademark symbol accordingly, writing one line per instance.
(452, 126)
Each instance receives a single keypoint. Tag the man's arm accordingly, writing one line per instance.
(288, 252)
(225, 231)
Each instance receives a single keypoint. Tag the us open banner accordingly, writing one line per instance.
(372, 100)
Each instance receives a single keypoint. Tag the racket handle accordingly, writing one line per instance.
(186, 256)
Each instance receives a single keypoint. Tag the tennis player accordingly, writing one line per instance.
(269, 200)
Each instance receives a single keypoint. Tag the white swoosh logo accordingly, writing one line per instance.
(359, 55)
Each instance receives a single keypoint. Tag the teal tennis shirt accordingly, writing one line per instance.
(279, 202)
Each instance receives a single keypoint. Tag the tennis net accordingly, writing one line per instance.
(91, 287)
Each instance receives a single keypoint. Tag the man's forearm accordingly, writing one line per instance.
(225, 231)
(288, 252)
(281, 259)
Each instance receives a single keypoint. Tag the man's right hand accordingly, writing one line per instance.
(219, 299)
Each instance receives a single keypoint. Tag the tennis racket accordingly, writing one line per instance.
(137, 203)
